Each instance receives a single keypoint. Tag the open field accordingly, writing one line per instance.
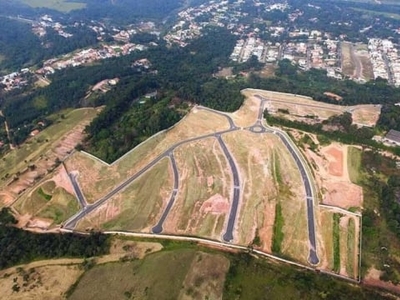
(248, 112)
(330, 165)
(340, 235)
(139, 206)
(258, 158)
(100, 178)
(60, 5)
(52, 201)
(361, 51)
(354, 164)
(301, 106)
(22, 168)
(151, 278)
(204, 195)
(253, 154)
(50, 279)
(348, 66)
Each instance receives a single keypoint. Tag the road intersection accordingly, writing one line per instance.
(260, 127)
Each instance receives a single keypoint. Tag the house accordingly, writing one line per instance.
(393, 137)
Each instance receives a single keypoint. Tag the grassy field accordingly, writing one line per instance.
(354, 164)
(138, 206)
(253, 155)
(195, 275)
(351, 248)
(348, 65)
(327, 237)
(60, 5)
(336, 242)
(50, 202)
(203, 175)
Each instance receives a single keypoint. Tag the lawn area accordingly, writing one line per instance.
(354, 164)
(178, 274)
(60, 5)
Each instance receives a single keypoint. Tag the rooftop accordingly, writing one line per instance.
(393, 135)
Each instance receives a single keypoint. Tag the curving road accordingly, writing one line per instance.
(307, 179)
(159, 227)
(258, 127)
(71, 222)
(78, 192)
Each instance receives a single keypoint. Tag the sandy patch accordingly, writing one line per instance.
(217, 204)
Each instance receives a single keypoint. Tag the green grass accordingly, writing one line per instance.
(354, 164)
(351, 248)
(47, 197)
(278, 235)
(62, 206)
(60, 5)
(336, 242)
(158, 276)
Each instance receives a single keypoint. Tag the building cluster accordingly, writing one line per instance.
(88, 56)
(385, 60)
(15, 80)
(40, 27)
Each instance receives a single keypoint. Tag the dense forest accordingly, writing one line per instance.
(18, 246)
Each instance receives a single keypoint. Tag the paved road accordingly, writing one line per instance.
(313, 256)
(71, 222)
(228, 235)
(78, 192)
(258, 127)
(159, 227)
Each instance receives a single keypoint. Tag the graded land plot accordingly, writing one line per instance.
(302, 106)
(367, 71)
(348, 65)
(205, 185)
(248, 112)
(22, 168)
(52, 201)
(365, 114)
(98, 178)
(254, 156)
(340, 235)
(330, 168)
(60, 5)
(139, 206)
(151, 278)
(269, 175)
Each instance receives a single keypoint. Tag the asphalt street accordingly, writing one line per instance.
(78, 192)
(258, 127)
(159, 227)
(228, 235)
(313, 257)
